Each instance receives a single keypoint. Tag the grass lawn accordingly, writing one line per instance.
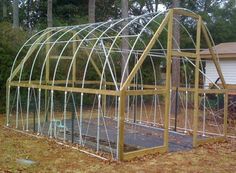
(51, 157)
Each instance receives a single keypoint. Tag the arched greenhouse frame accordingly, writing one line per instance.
(67, 83)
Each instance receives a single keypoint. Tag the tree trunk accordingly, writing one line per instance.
(91, 11)
(28, 13)
(124, 44)
(207, 4)
(49, 13)
(149, 5)
(4, 9)
(124, 48)
(156, 5)
(175, 75)
(15, 13)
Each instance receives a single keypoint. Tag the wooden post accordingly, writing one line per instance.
(121, 122)
(196, 83)
(218, 69)
(168, 78)
(47, 78)
(48, 59)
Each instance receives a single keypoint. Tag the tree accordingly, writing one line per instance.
(125, 47)
(15, 13)
(28, 13)
(4, 9)
(10, 42)
(175, 75)
(124, 44)
(107, 9)
(91, 11)
(72, 12)
(143, 6)
(49, 13)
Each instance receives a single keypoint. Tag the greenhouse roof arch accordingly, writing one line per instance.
(86, 60)
(99, 41)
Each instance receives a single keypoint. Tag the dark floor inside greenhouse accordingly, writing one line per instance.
(136, 135)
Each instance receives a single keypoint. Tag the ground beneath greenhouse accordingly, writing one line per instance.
(48, 156)
(136, 135)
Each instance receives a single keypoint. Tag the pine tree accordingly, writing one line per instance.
(91, 11)
(49, 14)
(15, 13)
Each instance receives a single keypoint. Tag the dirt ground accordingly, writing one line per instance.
(51, 157)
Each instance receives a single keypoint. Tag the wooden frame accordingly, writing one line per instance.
(123, 91)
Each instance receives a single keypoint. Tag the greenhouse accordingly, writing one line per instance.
(107, 86)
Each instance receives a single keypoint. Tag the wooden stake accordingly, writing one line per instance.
(168, 78)
(196, 83)
(146, 51)
(214, 58)
(121, 122)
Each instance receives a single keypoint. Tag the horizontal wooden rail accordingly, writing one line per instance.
(147, 89)
(183, 54)
(145, 92)
(143, 152)
(210, 140)
(66, 89)
(212, 91)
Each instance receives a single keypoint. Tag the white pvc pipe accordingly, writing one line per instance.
(15, 60)
(39, 107)
(186, 112)
(27, 111)
(65, 105)
(98, 119)
(17, 106)
(51, 112)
